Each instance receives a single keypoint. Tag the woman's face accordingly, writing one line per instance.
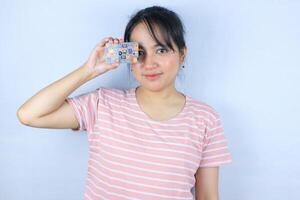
(154, 60)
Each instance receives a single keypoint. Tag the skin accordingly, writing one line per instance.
(206, 186)
(155, 96)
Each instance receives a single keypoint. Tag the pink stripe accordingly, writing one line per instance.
(145, 155)
(166, 153)
(139, 189)
(175, 131)
(160, 167)
(94, 192)
(140, 185)
(114, 164)
(215, 146)
(117, 100)
(140, 119)
(218, 159)
(216, 138)
(215, 153)
(147, 141)
(130, 177)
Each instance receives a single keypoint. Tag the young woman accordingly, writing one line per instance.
(148, 142)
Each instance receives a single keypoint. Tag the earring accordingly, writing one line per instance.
(182, 65)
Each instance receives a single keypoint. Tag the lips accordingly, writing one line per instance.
(152, 76)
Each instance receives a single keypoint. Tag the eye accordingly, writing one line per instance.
(162, 50)
(141, 52)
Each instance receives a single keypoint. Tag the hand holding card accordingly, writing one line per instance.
(126, 52)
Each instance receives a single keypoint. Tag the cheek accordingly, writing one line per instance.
(171, 65)
(166, 64)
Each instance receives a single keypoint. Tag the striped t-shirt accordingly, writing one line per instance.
(132, 156)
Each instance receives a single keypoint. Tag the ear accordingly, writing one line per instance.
(183, 55)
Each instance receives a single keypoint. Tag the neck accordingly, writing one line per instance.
(157, 97)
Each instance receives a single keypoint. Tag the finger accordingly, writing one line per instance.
(104, 41)
(98, 47)
(109, 42)
(116, 41)
(114, 65)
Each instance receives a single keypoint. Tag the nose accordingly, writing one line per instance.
(149, 61)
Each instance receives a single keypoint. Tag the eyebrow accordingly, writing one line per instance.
(141, 45)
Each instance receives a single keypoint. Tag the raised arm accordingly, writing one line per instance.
(49, 108)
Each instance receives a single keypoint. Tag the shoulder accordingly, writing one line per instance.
(204, 111)
(108, 91)
(108, 94)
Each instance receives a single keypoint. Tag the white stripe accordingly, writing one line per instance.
(216, 142)
(142, 169)
(144, 146)
(128, 108)
(138, 176)
(193, 119)
(105, 191)
(216, 163)
(215, 156)
(147, 162)
(136, 191)
(147, 154)
(90, 189)
(182, 137)
(144, 140)
(215, 149)
(87, 196)
(213, 129)
(138, 110)
(135, 183)
(201, 106)
(186, 127)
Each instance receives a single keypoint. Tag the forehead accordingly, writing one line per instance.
(142, 35)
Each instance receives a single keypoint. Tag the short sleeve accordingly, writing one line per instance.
(215, 151)
(86, 108)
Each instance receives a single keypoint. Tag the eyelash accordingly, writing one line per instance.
(165, 50)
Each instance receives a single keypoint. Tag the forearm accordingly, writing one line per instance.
(206, 198)
(200, 195)
(53, 96)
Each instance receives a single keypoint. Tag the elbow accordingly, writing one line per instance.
(22, 117)
(209, 198)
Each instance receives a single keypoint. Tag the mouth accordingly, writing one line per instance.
(152, 76)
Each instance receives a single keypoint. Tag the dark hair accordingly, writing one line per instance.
(168, 23)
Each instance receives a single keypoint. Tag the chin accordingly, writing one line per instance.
(155, 87)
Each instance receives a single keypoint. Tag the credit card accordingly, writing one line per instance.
(126, 52)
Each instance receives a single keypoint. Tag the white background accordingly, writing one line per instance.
(243, 60)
